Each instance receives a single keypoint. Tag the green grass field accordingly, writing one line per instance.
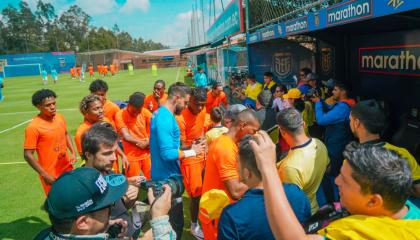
(21, 195)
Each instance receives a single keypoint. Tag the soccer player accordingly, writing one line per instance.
(54, 75)
(1, 89)
(99, 69)
(133, 125)
(221, 165)
(100, 88)
(112, 69)
(193, 123)
(105, 70)
(47, 135)
(216, 97)
(92, 110)
(73, 72)
(44, 76)
(78, 72)
(165, 145)
(90, 68)
(157, 98)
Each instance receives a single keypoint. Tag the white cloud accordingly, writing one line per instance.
(96, 7)
(133, 5)
(176, 34)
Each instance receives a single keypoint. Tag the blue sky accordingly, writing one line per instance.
(166, 21)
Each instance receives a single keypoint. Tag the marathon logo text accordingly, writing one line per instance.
(390, 60)
(349, 11)
(298, 25)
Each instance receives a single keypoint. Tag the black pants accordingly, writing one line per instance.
(176, 218)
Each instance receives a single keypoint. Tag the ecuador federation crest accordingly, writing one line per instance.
(326, 60)
(282, 64)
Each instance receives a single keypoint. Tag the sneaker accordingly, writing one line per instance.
(196, 231)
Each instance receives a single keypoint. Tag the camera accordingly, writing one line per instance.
(175, 182)
(312, 93)
(114, 230)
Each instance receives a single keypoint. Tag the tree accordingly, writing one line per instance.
(25, 31)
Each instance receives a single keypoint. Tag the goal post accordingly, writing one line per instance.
(22, 70)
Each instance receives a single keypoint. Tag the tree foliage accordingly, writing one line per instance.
(22, 30)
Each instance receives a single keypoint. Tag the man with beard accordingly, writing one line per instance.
(165, 146)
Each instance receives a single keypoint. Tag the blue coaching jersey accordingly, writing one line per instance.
(164, 144)
(247, 218)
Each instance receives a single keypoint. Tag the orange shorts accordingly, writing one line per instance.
(137, 166)
(209, 227)
(193, 178)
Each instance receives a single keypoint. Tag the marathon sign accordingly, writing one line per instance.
(297, 26)
(390, 60)
(349, 11)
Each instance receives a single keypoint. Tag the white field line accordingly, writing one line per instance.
(15, 113)
(177, 74)
(12, 163)
(15, 126)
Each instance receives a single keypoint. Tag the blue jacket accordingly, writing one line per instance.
(200, 80)
(337, 130)
(164, 144)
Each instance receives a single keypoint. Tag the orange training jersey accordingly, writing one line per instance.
(72, 71)
(151, 103)
(112, 68)
(110, 109)
(213, 102)
(50, 142)
(221, 164)
(90, 70)
(81, 130)
(193, 127)
(138, 127)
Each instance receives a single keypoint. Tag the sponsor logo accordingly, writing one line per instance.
(253, 37)
(84, 205)
(298, 25)
(317, 21)
(115, 180)
(395, 3)
(326, 60)
(101, 184)
(349, 11)
(390, 60)
(282, 63)
(268, 34)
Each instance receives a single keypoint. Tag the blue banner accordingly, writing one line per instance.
(390, 60)
(228, 23)
(341, 13)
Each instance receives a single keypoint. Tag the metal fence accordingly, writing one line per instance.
(265, 12)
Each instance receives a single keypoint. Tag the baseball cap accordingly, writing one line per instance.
(311, 77)
(84, 190)
(212, 203)
(329, 83)
(293, 93)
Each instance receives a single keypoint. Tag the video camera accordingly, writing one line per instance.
(174, 181)
(312, 93)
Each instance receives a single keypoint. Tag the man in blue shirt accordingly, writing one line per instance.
(54, 75)
(337, 135)
(165, 146)
(44, 76)
(200, 78)
(247, 219)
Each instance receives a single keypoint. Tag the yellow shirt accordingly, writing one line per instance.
(215, 133)
(357, 227)
(414, 166)
(252, 91)
(305, 166)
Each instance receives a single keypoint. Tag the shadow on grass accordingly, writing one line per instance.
(22, 228)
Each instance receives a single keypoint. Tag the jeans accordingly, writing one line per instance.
(176, 217)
